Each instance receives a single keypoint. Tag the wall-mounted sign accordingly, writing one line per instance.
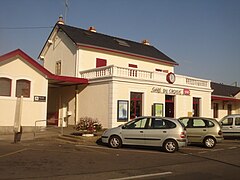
(171, 78)
(170, 91)
(186, 92)
(39, 98)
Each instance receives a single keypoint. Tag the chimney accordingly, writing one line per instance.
(92, 29)
(60, 20)
(145, 42)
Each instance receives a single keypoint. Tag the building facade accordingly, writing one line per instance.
(225, 100)
(89, 74)
(24, 88)
(126, 79)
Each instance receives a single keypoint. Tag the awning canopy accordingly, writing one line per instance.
(223, 98)
(59, 81)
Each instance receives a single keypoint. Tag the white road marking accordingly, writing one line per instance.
(15, 152)
(233, 147)
(214, 150)
(143, 176)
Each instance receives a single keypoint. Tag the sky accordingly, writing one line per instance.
(202, 36)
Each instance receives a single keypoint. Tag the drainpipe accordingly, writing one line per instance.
(76, 104)
(77, 63)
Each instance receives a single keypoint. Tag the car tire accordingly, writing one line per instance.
(115, 142)
(209, 142)
(170, 146)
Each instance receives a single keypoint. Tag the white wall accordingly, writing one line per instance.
(64, 50)
(87, 60)
(18, 69)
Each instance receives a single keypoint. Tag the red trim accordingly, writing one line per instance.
(49, 75)
(132, 65)
(124, 53)
(224, 98)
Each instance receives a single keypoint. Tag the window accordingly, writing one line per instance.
(138, 124)
(135, 105)
(209, 123)
(227, 122)
(122, 42)
(158, 70)
(5, 87)
(23, 88)
(162, 124)
(132, 72)
(198, 123)
(215, 110)
(237, 121)
(101, 62)
(196, 107)
(58, 68)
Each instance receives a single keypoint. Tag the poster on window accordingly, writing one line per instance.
(158, 109)
(122, 110)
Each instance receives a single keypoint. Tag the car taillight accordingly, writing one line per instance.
(220, 132)
(182, 135)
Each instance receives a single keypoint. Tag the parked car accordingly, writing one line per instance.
(148, 131)
(206, 131)
(231, 125)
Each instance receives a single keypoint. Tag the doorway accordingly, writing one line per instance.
(169, 106)
(135, 105)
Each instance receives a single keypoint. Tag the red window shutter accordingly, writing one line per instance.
(132, 65)
(101, 62)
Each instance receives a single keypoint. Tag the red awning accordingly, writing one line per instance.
(55, 80)
(223, 98)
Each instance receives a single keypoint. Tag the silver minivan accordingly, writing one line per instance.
(231, 125)
(148, 131)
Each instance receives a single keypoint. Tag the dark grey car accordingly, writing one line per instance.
(148, 131)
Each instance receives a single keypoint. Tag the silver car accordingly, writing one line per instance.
(202, 130)
(148, 131)
(231, 125)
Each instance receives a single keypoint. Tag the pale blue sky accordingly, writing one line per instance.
(203, 36)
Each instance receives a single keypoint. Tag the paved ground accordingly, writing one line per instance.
(56, 154)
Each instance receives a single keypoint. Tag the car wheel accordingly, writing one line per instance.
(115, 142)
(209, 142)
(170, 146)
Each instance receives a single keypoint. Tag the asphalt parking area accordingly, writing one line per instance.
(189, 150)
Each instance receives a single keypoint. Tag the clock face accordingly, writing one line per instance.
(171, 77)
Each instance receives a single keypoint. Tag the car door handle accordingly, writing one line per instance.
(141, 131)
(204, 130)
(164, 131)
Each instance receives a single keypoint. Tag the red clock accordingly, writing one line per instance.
(171, 78)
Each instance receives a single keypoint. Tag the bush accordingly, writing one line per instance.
(88, 124)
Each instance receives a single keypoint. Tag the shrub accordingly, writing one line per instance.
(88, 124)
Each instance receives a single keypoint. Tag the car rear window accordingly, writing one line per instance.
(170, 124)
(209, 123)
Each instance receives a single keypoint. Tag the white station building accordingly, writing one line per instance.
(89, 74)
